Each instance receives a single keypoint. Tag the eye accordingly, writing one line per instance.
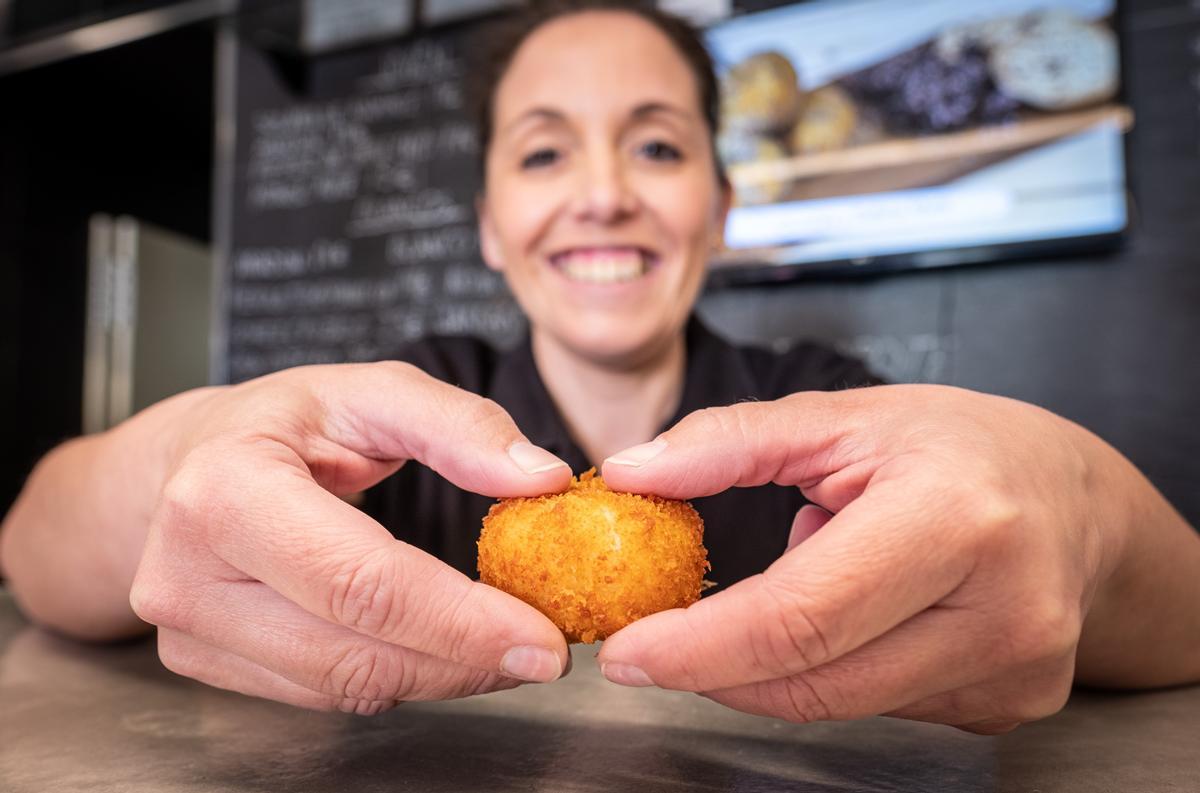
(660, 151)
(539, 159)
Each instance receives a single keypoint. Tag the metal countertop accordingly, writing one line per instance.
(76, 717)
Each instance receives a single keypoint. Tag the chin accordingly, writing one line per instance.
(614, 343)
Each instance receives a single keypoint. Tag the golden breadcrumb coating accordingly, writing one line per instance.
(593, 560)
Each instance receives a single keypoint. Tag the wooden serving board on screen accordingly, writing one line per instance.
(904, 163)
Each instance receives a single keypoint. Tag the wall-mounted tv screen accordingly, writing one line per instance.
(875, 133)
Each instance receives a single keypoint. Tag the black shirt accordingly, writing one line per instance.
(745, 528)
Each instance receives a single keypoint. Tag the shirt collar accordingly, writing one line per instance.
(714, 374)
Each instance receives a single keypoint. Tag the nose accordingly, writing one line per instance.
(604, 194)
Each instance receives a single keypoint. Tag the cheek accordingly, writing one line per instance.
(520, 216)
(688, 211)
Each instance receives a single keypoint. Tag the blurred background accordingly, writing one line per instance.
(1003, 196)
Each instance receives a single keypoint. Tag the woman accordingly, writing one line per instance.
(601, 209)
(981, 553)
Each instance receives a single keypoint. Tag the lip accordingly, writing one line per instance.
(649, 256)
(607, 269)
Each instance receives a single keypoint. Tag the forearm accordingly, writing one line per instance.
(70, 545)
(1143, 629)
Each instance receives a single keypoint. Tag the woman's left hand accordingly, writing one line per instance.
(970, 536)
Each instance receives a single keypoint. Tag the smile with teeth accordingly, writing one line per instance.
(603, 265)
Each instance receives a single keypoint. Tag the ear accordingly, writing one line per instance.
(724, 204)
(489, 242)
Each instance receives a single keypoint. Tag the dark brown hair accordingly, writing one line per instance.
(498, 41)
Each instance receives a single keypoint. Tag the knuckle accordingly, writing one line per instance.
(183, 497)
(797, 641)
(992, 514)
(802, 702)
(142, 600)
(1033, 701)
(1047, 630)
(393, 370)
(364, 673)
(486, 417)
(454, 622)
(707, 422)
(198, 497)
(744, 421)
(1018, 700)
(363, 595)
(419, 609)
(159, 604)
(148, 604)
(383, 376)
(174, 657)
(1049, 699)
(487, 682)
(996, 513)
(362, 707)
(744, 434)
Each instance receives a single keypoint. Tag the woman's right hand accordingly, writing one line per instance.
(262, 579)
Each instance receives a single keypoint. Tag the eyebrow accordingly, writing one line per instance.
(644, 110)
(537, 113)
(656, 108)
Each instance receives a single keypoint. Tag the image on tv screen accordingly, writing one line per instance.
(930, 131)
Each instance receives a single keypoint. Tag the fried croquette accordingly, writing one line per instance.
(594, 560)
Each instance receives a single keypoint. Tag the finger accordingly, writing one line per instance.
(270, 522)
(247, 619)
(808, 521)
(190, 657)
(394, 411)
(1000, 703)
(945, 666)
(937, 649)
(802, 440)
(865, 572)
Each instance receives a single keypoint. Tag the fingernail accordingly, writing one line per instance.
(534, 664)
(533, 459)
(636, 456)
(625, 675)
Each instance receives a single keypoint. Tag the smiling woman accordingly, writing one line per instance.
(603, 200)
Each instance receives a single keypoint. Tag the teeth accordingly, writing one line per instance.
(607, 267)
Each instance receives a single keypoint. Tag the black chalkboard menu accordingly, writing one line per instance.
(352, 228)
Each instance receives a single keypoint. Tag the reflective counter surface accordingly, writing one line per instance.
(106, 719)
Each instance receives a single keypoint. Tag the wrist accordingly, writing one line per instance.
(1109, 505)
(160, 436)
(1141, 624)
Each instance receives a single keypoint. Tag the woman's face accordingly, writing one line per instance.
(602, 201)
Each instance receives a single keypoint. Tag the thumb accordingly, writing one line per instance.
(798, 440)
(397, 412)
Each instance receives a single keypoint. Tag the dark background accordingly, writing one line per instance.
(128, 130)
(30, 18)
(1107, 340)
